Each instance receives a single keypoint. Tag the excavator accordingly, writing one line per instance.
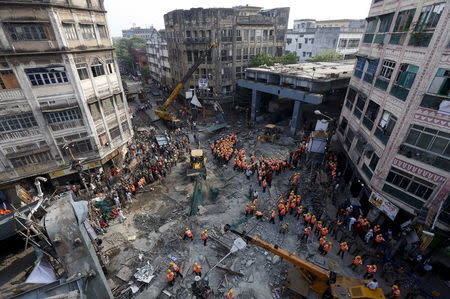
(319, 282)
(162, 111)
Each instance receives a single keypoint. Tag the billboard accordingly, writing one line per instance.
(384, 205)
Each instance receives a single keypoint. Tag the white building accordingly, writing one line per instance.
(158, 59)
(59, 88)
(310, 37)
(395, 123)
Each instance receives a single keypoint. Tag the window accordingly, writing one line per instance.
(47, 75)
(401, 27)
(349, 138)
(385, 126)
(252, 35)
(311, 40)
(95, 111)
(17, 122)
(119, 102)
(424, 29)
(108, 106)
(125, 127)
(371, 27)
(359, 67)
(370, 115)
(102, 31)
(97, 69)
(31, 159)
(371, 69)
(63, 116)
(110, 66)
(189, 56)
(83, 146)
(8, 80)
(288, 41)
(374, 162)
(114, 132)
(343, 125)
(410, 183)
(27, 31)
(438, 96)
(342, 43)
(299, 46)
(385, 75)
(103, 139)
(82, 71)
(245, 35)
(87, 31)
(70, 31)
(360, 103)
(353, 43)
(245, 56)
(306, 41)
(351, 96)
(188, 33)
(427, 145)
(404, 80)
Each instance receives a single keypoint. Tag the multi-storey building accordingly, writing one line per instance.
(144, 33)
(158, 60)
(310, 37)
(61, 96)
(241, 33)
(395, 123)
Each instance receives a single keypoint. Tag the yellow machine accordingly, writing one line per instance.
(270, 133)
(323, 283)
(197, 163)
(162, 111)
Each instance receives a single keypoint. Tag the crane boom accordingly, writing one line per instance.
(162, 111)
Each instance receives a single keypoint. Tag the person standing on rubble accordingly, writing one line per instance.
(188, 234)
(176, 269)
(197, 270)
(357, 261)
(248, 209)
(273, 214)
(306, 233)
(230, 294)
(282, 213)
(342, 249)
(307, 219)
(205, 236)
(264, 185)
(259, 215)
(170, 277)
(326, 248)
(122, 218)
(299, 211)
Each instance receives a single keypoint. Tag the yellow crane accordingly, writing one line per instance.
(162, 111)
(322, 282)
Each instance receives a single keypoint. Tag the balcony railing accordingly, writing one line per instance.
(425, 157)
(11, 94)
(398, 38)
(66, 125)
(19, 134)
(434, 102)
(193, 40)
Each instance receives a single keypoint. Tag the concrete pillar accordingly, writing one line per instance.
(256, 99)
(295, 117)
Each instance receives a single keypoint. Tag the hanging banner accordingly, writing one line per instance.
(384, 205)
(203, 83)
(196, 102)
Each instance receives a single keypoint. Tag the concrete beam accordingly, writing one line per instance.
(283, 92)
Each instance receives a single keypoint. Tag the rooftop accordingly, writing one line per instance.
(310, 70)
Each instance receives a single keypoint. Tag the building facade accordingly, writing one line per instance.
(395, 123)
(240, 32)
(310, 37)
(144, 33)
(158, 60)
(61, 96)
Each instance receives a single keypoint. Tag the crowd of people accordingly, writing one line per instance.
(222, 148)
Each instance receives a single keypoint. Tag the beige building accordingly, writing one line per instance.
(241, 33)
(60, 89)
(395, 123)
(158, 59)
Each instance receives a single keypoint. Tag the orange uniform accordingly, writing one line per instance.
(357, 261)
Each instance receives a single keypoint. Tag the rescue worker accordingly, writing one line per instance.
(264, 185)
(272, 216)
(357, 261)
(306, 233)
(259, 215)
(205, 236)
(376, 229)
(319, 227)
(170, 277)
(324, 232)
(395, 291)
(188, 234)
(342, 249)
(175, 269)
(197, 270)
(371, 270)
(293, 206)
(230, 294)
(282, 214)
(322, 243)
(307, 218)
(299, 211)
(313, 220)
(253, 209)
(248, 209)
(378, 240)
(326, 248)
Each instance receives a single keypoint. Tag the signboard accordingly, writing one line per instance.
(23, 194)
(203, 83)
(321, 124)
(189, 94)
(196, 102)
(384, 205)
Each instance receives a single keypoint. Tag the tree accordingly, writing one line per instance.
(326, 56)
(124, 48)
(145, 72)
(261, 59)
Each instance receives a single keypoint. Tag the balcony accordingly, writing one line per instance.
(425, 157)
(197, 40)
(436, 102)
(398, 38)
(19, 134)
(66, 125)
(379, 38)
(11, 94)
